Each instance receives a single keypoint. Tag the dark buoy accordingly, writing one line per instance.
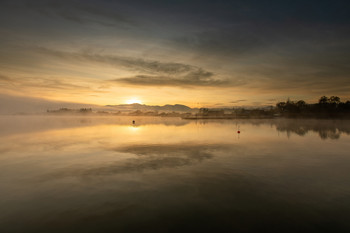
(238, 131)
(133, 122)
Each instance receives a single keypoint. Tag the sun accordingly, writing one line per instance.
(133, 101)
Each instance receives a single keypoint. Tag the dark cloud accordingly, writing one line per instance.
(84, 12)
(196, 78)
(271, 56)
(304, 83)
(4, 78)
(135, 64)
(237, 101)
(239, 40)
(224, 42)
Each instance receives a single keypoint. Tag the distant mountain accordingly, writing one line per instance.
(144, 107)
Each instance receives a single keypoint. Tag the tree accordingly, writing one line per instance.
(301, 103)
(281, 106)
(334, 100)
(323, 100)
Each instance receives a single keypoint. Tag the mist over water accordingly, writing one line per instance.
(105, 174)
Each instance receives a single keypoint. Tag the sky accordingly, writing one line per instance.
(196, 53)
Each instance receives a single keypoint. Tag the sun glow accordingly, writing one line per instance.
(133, 101)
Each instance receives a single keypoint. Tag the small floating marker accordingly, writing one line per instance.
(133, 122)
(238, 131)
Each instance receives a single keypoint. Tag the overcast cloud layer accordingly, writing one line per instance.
(223, 52)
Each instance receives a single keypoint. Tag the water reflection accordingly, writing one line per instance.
(105, 174)
(153, 157)
(327, 129)
(28, 124)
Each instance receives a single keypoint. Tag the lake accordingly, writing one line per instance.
(105, 174)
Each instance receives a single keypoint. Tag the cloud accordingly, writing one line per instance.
(135, 64)
(41, 82)
(4, 78)
(153, 73)
(277, 55)
(303, 83)
(81, 12)
(233, 41)
(53, 84)
(191, 79)
(46, 87)
(237, 101)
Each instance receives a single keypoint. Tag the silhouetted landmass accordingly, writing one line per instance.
(71, 111)
(233, 113)
(144, 107)
(325, 108)
(84, 111)
(156, 113)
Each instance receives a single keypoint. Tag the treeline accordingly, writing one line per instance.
(89, 111)
(68, 110)
(325, 108)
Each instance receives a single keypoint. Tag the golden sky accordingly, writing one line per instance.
(192, 53)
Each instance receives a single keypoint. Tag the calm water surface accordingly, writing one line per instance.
(103, 174)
